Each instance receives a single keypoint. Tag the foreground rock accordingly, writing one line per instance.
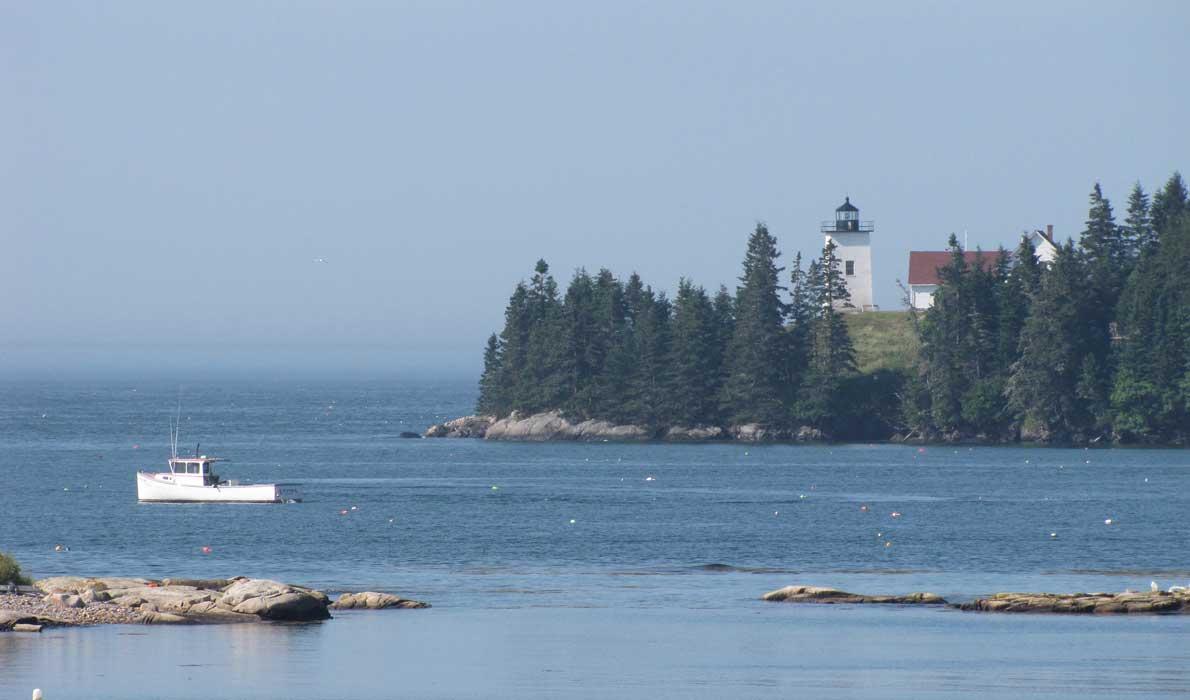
(1084, 603)
(370, 600)
(175, 601)
(816, 594)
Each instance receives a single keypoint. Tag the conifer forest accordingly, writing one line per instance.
(1092, 348)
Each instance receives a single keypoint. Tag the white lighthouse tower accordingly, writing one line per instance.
(853, 242)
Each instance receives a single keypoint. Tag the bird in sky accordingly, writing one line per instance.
(320, 260)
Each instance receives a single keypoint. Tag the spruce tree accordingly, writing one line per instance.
(1169, 204)
(1043, 387)
(492, 400)
(1138, 225)
(547, 382)
(513, 379)
(830, 353)
(1106, 252)
(650, 382)
(693, 362)
(752, 390)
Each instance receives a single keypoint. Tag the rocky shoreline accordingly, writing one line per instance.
(73, 601)
(554, 426)
(1174, 601)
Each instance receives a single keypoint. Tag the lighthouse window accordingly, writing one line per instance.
(850, 265)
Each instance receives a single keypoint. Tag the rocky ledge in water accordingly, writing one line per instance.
(75, 601)
(370, 600)
(1175, 600)
(554, 426)
(817, 594)
(1172, 601)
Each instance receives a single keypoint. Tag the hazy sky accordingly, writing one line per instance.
(170, 173)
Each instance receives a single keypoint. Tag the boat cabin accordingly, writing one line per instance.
(194, 471)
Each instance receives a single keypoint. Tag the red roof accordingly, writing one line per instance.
(924, 264)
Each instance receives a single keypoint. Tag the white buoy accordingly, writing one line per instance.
(1107, 522)
(1053, 535)
(572, 521)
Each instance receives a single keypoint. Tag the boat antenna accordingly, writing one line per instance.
(176, 430)
(196, 446)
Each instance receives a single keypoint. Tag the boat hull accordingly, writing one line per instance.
(157, 488)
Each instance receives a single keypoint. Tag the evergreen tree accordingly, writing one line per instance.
(651, 380)
(1106, 252)
(1054, 349)
(799, 321)
(1138, 225)
(492, 400)
(831, 355)
(609, 335)
(752, 390)
(1169, 204)
(547, 379)
(512, 379)
(945, 343)
(693, 362)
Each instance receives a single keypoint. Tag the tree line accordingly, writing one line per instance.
(1092, 347)
(774, 355)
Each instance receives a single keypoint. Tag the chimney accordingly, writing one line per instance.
(1049, 232)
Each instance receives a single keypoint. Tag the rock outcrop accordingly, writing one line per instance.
(542, 427)
(465, 427)
(1083, 603)
(816, 594)
(370, 600)
(698, 433)
(554, 426)
(176, 601)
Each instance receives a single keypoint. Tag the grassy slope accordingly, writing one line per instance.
(883, 340)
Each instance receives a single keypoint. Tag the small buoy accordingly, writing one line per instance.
(1107, 522)
(776, 512)
(863, 509)
(65, 488)
(136, 447)
(745, 453)
(59, 548)
(887, 543)
(206, 549)
(1053, 535)
(802, 496)
(879, 534)
(895, 514)
(572, 521)
(354, 507)
(495, 488)
(1146, 479)
(392, 520)
(921, 450)
(343, 512)
(650, 478)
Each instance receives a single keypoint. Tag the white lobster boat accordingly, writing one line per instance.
(192, 480)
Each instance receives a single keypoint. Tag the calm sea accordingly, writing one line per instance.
(592, 570)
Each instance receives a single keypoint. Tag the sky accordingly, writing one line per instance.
(345, 188)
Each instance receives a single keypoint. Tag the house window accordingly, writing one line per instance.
(850, 265)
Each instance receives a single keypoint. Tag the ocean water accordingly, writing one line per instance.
(590, 570)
